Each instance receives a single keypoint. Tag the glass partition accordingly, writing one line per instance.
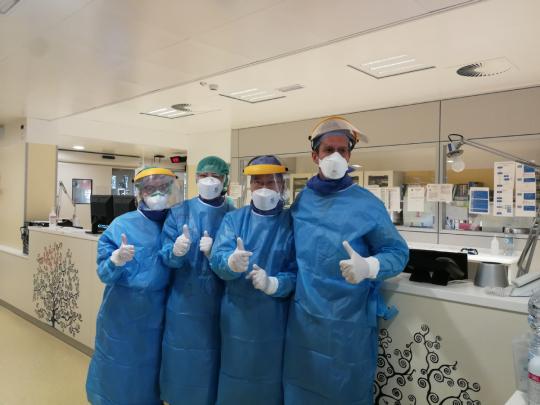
(478, 171)
(380, 169)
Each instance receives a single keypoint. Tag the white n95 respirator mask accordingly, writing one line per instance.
(209, 188)
(265, 199)
(157, 201)
(333, 166)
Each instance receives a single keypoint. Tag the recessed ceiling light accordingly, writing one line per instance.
(78, 147)
(168, 112)
(490, 67)
(391, 66)
(252, 96)
(6, 5)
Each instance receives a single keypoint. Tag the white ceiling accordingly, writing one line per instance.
(92, 67)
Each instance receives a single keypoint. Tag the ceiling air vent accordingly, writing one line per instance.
(491, 67)
(252, 96)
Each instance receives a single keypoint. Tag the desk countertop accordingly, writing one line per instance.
(65, 231)
(484, 255)
(463, 292)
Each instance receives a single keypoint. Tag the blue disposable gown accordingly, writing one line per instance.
(331, 348)
(125, 365)
(253, 323)
(190, 357)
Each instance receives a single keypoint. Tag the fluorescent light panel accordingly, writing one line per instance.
(168, 112)
(391, 66)
(252, 96)
(78, 147)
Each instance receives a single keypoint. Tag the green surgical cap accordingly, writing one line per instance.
(213, 164)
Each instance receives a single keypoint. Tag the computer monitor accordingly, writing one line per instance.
(436, 267)
(101, 212)
(123, 204)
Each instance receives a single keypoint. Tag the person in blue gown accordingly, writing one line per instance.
(191, 341)
(346, 245)
(124, 369)
(254, 254)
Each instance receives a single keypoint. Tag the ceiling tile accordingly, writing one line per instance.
(197, 58)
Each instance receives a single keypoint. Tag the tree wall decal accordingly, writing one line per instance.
(395, 371)
(56, 289)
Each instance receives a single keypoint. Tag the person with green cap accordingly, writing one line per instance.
(191, 340)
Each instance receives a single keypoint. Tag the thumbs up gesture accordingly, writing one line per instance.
(182, 243)
(239, 260)
(355, 269)
(261, 281)
(205, 244)
(124, 253)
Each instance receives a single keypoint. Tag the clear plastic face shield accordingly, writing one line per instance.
(157, 191)
(265, 190)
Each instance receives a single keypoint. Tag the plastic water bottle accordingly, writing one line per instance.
(534, 350)
(508, 242)
(52, 218)
(494, 246)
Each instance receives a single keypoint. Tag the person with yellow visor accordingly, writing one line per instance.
(254, 254)
(124, 369)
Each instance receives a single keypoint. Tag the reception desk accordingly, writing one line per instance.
(56, 285)
(446, 343)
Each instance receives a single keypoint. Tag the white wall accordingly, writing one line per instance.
(12, 184)
(101, 184)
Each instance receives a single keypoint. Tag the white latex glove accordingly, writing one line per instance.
(124, 253)
(358, 268)
(261, 281)
(205, 244)
(182, 243)
(239, 260)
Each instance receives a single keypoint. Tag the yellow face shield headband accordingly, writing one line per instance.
(264, 169)
(153, 170)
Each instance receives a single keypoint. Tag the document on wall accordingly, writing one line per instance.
(376, 191)
(439, 192)
(504, 174)
(446, 193)
(433, 192)
(235, 191)
(393, 199)
(525, 191)
(479, 200)
(415, 198)
(384, 196)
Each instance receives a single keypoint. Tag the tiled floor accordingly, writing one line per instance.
(37, 368)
